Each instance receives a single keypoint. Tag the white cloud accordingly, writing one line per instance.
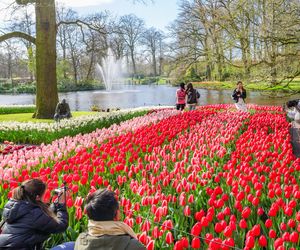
(84, 3)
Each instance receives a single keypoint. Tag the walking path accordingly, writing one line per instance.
(295, 133)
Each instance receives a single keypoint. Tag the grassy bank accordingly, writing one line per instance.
(30, 88)
(27, 117)
(257, 86)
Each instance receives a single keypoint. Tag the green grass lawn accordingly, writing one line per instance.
(27, 117)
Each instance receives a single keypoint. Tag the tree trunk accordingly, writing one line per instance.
(133, 60)
(208, 61)
(245, 59)
(91, 64)
(154, 64)
(46, 89)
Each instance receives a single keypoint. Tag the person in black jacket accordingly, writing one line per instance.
(29, 221)
(239, 95)
(192, 96)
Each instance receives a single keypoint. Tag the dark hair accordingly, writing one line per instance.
(29, 190)
(182, 85)
(292, 103)
(189, 86)
(102, 205)
(241, 83)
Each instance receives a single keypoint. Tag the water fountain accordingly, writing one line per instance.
(110, 70)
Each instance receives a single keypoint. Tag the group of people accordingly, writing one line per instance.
(27, 221)
(190, 96)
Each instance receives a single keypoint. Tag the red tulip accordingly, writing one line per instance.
(283, 226)
(196, 229)
(262, 241)
(278, 242)
(294, 237)
(256, 230)
(185, 242)
(196, 243)
(292, 223)
(250, 242)
(272, 234)
(187, 211)
(268, 223)
(150, 245)
(143, 238)
(246, 212)
(243, 224)
(169, 238)
(227, 232)
(178, 245)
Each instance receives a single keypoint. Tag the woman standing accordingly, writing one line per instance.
(192, 96)
(29, 221)
(180, 97)
(239, 95)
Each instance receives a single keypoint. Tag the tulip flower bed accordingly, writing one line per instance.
(212, 178)
(37, 133)
(9, 147)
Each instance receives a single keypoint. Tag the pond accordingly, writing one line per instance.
(130, 96)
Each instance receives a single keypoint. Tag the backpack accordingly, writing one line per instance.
(193, 96)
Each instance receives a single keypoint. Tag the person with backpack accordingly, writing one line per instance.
(192, 96)
(28, 221)
(105, 230)
(180, 97)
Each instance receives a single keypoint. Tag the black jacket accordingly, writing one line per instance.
(238, 94)
(192, 96)
(27, 226)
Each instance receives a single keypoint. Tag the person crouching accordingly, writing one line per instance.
(105, 230)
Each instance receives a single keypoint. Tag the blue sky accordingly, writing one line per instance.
(158, 14)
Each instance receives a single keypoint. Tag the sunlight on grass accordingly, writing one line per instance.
(27, 117)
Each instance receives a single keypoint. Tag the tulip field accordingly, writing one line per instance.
(213, 178)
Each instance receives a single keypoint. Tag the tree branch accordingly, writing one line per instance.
(80, 23)
(17, 34)
(24, 2)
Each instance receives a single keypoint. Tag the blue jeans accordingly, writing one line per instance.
(65, 246)
(192, 106)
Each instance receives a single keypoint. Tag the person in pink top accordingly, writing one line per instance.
(180, 97)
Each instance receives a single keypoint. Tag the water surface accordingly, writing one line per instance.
(130, 96)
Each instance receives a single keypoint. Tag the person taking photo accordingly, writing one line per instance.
(28, 221)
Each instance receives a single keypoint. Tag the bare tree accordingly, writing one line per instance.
(152, 39)
(131, 28)
(45, 41)
(25, 23)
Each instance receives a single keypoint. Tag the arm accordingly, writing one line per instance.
(234, 94)
(244, 94)
(46, 224)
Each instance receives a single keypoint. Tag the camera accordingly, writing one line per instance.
(58, 191)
